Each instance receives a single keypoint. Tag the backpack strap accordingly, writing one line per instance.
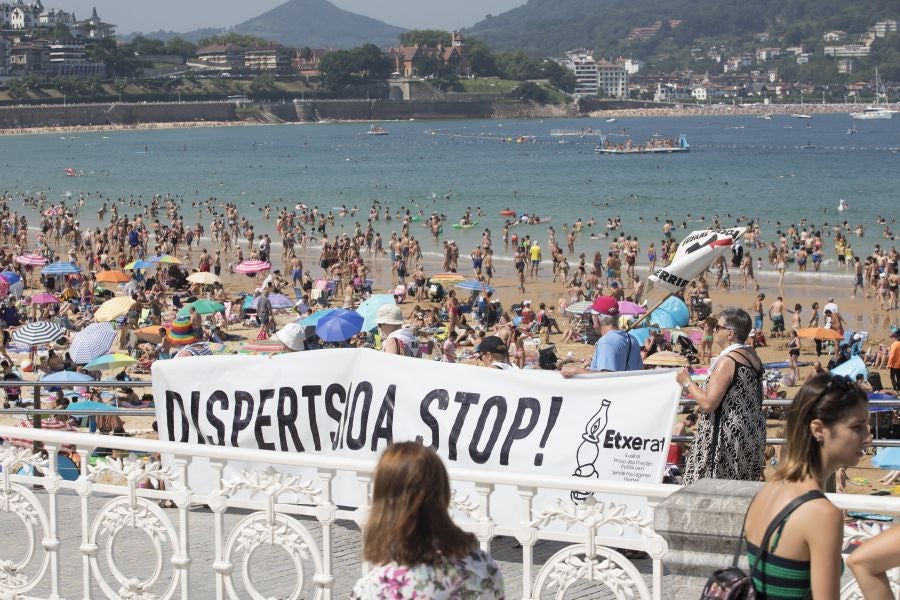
(770, 530)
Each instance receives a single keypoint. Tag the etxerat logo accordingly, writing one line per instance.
(598, 434)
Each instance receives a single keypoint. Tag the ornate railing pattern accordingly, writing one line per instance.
(283, 507)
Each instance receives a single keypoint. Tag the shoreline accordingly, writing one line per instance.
(709, 110)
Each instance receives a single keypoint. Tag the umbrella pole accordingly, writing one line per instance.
(36, 405)
(647, 314)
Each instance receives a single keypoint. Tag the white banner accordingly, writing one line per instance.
(352, 403)
(694, 255)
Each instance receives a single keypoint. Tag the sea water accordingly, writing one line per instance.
(773, 171)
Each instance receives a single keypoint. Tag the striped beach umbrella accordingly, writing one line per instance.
(250, 267)
(578, 308)
(31, 260)
(473, 285)
(44, 298)
(278, 301)
(261, 347)
(94, 340)
(447, 278)
(114, 276)
(60, 268)
(37, 333)
(114, 308)
(182, 332)
(198, 349)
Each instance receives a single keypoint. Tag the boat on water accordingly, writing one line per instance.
(655, 145)
(583, 132)
(876, 110)
(767, 117)
(802, 116)
(70, 172)
(377, 131)
(808, 146)
(611, 120)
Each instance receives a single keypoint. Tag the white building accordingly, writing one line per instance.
(882, 28)
(69, 57)
(582, 64)
(631, 65)
(612, 80)
(848, 51)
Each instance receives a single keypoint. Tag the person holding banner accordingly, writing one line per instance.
(616, 350)
(417, 549)
(730, 441)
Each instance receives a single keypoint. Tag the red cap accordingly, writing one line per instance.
(605, 305)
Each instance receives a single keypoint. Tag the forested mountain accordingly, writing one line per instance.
(550, 27)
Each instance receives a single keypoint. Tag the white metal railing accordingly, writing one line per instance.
(284, 508)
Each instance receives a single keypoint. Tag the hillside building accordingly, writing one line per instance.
(404, 58)
(848, 51)
(69, 57)
(19, 16)
(272, 59)
(596, 78)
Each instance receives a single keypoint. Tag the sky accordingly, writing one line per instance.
(186, 15)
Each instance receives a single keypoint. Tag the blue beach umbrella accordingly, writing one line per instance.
(671, 314)
(368, 308)
(340, 325)
(93, 341)
(60, 268)
(75, 407)
(851, 368)
(642, 333)
(66, 377)
(10, 277)
(315, 317)
(139, 265)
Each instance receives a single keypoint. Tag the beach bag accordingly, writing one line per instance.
(732, 583)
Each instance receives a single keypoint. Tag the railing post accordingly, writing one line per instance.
(525, 535)
(217, 504)
(182, 560)
(51, 545)
(83, 487)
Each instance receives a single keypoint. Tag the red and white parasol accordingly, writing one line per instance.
(253, 266)
(31, 260)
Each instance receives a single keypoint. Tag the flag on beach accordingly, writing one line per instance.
(694, 255)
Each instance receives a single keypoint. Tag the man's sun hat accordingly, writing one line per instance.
(293, 336)
(605, 305)
(389, 314)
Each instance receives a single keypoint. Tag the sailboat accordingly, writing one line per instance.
(875, 110)
(852, 130)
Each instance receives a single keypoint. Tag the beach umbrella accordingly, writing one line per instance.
(76, 407)
(579, 308)
(472, 285)
(666, 358)
(198, 349)
(44, 298)
(261, 347)
(202, 306)
(94, 340)
(182, 332)
(340, 325)
(66, 377)
(447, 278)
(204, 278)
(819, 333)
(114, 308)
(31, 260)
(630, 308)
(60, 268)
(640, 334)
(150, 333)
(115, 276)
(671, 314)
(110, 362)
(10, 277)
(250, 267)
(139, 265)
(313, 319)
(851, 368)
(368, 308)
(167, 259)
(278, 301)
(37, 333)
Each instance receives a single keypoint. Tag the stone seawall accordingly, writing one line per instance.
(113, 114)
(74, 115)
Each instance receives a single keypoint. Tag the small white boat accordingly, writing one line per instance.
(377, 131)
(611, 120)
(800, 116)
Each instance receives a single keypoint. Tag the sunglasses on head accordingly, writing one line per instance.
(836, 383)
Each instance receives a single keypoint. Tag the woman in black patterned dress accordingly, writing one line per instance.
(730, 438)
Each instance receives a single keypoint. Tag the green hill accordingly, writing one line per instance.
(550, 27)
(319, 24)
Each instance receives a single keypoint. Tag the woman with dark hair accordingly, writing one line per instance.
(417, 550)
(730, 442)
(827, 428)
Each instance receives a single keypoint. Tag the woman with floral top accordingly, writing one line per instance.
(417, 550)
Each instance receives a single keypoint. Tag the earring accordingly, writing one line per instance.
(820, 439)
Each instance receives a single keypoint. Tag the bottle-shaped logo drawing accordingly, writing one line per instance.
(589, 449)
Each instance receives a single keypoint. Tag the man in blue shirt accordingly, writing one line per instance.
(616, 350)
